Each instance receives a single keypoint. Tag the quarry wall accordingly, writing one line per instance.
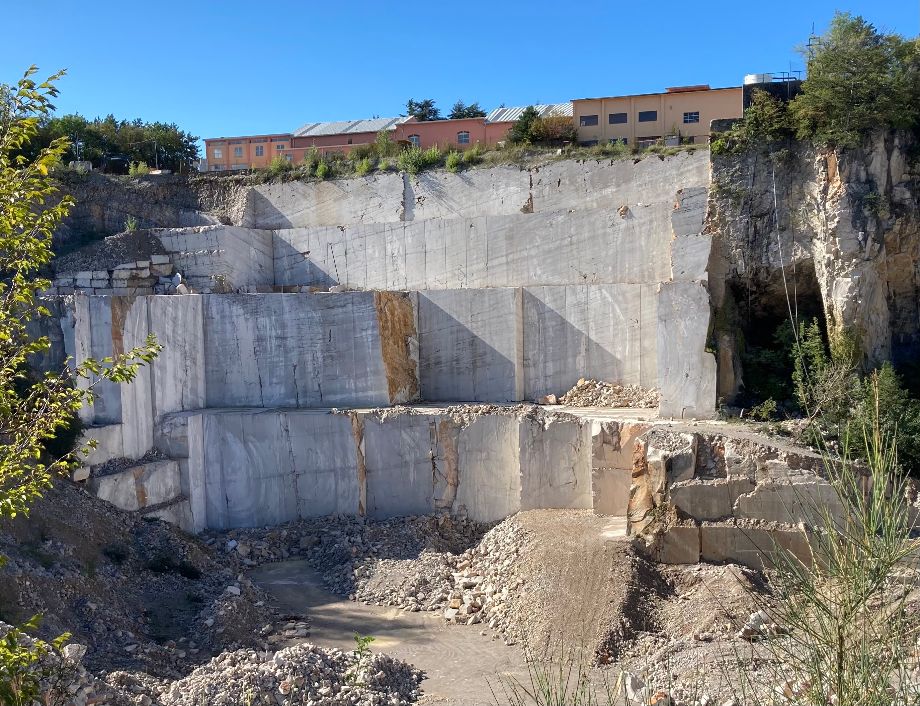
(489, 286)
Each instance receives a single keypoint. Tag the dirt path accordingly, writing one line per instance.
(458, 661)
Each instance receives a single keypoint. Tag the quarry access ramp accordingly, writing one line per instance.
(373, 345)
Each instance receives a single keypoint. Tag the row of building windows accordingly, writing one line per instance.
(218, 152)
(463, 138)
(644, 116)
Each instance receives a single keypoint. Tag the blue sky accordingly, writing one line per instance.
(235, 67)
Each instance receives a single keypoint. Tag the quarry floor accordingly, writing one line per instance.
(459, 661)
(581, 556)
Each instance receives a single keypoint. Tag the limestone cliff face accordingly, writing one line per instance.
(103, 203)
(838, 230)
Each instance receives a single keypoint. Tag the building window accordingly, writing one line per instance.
(349, 140)
(587, 120)
(415, 140)
(619, 140)
(616, 118)
(237, 151)
(588, 143)
(648, 116)
(218, 153)
(279, 147)
(279, 139)
(693, 117)
(289, 157)
(260, 150)
(463, 137)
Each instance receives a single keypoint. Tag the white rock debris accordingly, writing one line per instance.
(597, 393)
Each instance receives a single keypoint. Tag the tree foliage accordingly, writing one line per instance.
(423, 110)
(766, 120)
(156, 143)
(462, 110)
(521, 131)
(859, 80)
(553, 130)
(29, 214)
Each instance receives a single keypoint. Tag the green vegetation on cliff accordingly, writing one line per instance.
(859, 80)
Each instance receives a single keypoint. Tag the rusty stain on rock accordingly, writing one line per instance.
(120, 307)
(396, 321)
(357, 432)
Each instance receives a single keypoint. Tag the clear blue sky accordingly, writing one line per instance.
(229, 67)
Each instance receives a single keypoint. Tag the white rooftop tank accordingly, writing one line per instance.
(757, 78)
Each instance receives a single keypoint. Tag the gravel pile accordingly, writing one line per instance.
(302, 674)
(429, 563)
(596, 393)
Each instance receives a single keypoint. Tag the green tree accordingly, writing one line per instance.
(859, 80)
(28, 218)
(423, 110)
(462, 110)
(522, 130)
(34, 411)
(162, 144)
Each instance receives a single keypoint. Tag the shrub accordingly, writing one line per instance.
(432, 156)
(414, 160)
(522, 130)
(453, 161)
(553, 130)
(278, 167)
(138, 169)
(898, 414)
(323, 170)
(359, 152)
(766, 120)
(363, 166)
(130, 224)
(473, 155)
(384, 145)
(384, 165)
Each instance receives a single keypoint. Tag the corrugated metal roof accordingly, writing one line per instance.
(503, 115)
(344, 127)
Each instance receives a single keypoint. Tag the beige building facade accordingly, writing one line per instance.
(639, 120)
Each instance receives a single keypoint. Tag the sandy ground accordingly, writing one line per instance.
(458, 661)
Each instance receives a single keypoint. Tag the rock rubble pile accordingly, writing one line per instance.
(438, 563)
(597, 393)
(302, 674)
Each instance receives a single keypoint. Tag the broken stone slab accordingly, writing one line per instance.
(790, 502)
(751, 546)
(139, 486)
(709, 500)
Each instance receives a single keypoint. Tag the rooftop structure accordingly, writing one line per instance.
(349, 127)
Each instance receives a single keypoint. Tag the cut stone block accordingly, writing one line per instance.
(709, 500)
(679, 544)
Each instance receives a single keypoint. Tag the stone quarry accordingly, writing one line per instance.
(416, 359)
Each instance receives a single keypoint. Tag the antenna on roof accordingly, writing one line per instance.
(814, 43)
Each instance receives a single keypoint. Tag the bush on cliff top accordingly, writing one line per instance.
(859, 81)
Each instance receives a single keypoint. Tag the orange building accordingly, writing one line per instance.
(682, 112)
(223, 153)
(250, 152)
(465, 132)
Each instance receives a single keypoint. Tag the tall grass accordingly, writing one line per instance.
(852, 632)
